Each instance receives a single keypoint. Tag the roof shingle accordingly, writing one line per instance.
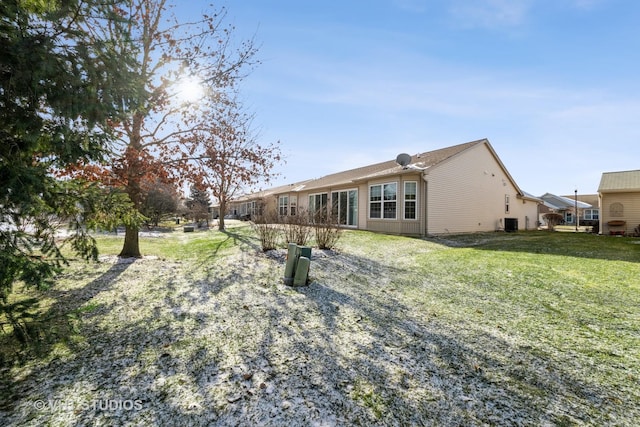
(390, 167)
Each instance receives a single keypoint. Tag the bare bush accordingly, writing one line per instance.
(296, 228)
(327, 230)
(268, 229)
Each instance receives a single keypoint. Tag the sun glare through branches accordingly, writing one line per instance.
(189, 90)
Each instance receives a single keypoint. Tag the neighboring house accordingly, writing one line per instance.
(250, 205)
(566, 206)
(619, 198)
(588, 216)
(460, 189)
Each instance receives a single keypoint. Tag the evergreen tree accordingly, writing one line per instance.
(58, 82)
(159, 202)
(198, 205)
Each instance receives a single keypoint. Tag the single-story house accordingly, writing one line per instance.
(566, 206)
(460, 189)
(619, 198)
(249, 205)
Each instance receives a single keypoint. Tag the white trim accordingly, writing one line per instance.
(315, 208)
(590, 212)
(283, 205)
(404, 201)
(346, 190)
(382, 201)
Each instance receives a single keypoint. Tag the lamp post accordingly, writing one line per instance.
(576, 203)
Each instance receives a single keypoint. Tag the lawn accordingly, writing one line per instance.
(528, 328)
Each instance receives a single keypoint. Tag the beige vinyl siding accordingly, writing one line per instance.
(303, 201)
(462, 189)
(527, 213)
(363, 206)
(630, 213)
(467, 194)
(270, 204)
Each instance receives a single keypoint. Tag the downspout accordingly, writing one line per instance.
(425, 204)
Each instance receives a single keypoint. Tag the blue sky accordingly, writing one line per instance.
(553, 84)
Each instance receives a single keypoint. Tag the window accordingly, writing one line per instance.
(375, 201)
(344, 207)
(568, 217)
(389, 204)
(506, 203)
(382, 201)
(410, 199)
(293, 204)
(591, 214)
(248, 208)
(616, 209)
(317, 204)
(352, 211)
(283, 205)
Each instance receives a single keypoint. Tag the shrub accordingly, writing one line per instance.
(552, 220)
(268, 230)
(296, 228)
(327, 230)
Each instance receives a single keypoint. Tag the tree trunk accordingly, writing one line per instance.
(131, 247)
(134, 172)
(223, 209)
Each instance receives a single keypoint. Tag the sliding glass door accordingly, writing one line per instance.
(344, 207)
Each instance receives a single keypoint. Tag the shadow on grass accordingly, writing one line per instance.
(345, 350)
(465, 375)
(404, 367)
(581, 245)
(241, 239)
(55, 325)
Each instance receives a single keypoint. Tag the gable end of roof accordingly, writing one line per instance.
(622, 181)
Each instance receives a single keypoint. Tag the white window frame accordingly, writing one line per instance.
(569, 217)
(313, 207)
(335, 204)
(589, 214)
(414, 201)
(283, 205)
(382, 200)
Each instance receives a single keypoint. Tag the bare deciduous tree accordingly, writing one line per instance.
(231, 158)
(156, 134)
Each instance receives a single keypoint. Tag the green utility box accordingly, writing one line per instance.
(296, 270)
